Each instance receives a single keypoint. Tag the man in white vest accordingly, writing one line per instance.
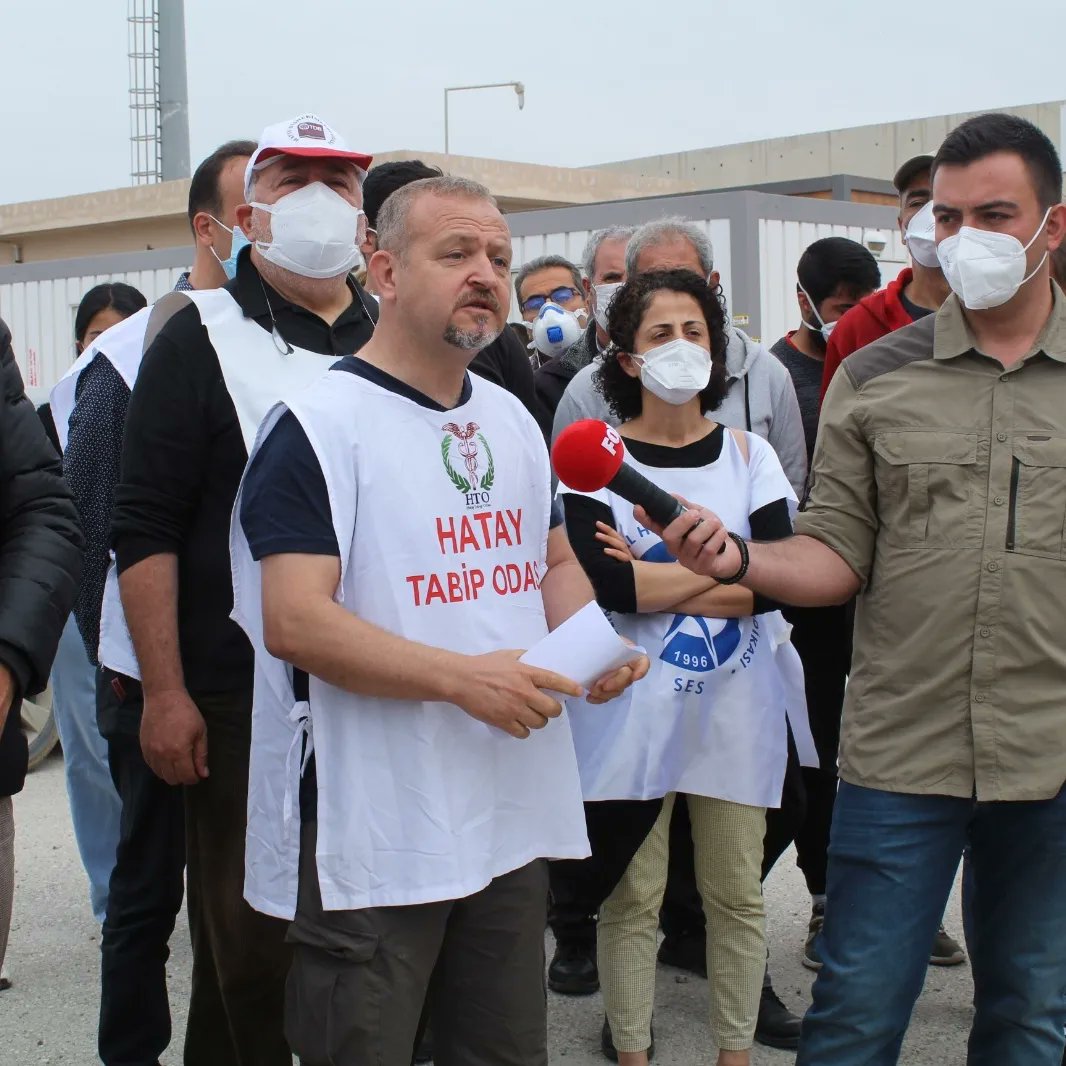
(89, 405)
(394, 535)
(215, 363)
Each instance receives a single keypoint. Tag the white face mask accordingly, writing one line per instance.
(825, 328)
(554, 330)
(315, 232)
(986, 269)
(675, 371)
(920, 237)
(604, 294)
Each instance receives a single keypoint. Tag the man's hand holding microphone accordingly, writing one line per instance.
(699, 540)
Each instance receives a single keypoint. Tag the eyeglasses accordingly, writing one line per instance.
(556, 296)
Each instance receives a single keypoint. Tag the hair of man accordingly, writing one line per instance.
(669, 229)
(393, 234)
(596, 239)
(543, 262)
(386, 178)
(837, 263)
(985, 135)
(205, 193)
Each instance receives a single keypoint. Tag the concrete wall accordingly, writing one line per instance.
(146, 217)
(870, 151)
(153, 216)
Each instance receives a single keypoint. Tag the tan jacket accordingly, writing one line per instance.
(940, 478)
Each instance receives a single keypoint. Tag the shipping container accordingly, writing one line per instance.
(38, 302)
(757, 239)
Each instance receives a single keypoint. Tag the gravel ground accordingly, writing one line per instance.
(49, 1016)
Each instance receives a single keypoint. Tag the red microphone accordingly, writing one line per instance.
(588, 456)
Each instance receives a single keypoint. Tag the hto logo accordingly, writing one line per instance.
(477, 480)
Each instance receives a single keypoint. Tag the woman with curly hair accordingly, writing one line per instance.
(709, 720)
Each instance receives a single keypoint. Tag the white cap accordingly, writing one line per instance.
(306, 135)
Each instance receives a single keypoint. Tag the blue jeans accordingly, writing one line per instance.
(892, 861)
(94, 803)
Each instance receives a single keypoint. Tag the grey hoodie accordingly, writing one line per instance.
(761, 398)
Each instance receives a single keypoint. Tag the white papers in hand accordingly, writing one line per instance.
(584, 648)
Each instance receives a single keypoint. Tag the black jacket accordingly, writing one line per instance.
(40, 555)
(506, 363)
(551, 380)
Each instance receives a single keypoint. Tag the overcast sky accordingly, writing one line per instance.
(607, 80)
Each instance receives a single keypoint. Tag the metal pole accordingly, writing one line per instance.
(173, 91)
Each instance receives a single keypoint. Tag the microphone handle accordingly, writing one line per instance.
(636, 488)
(633, 486)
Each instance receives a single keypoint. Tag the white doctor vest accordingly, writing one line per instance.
(441, 519)
(257, 374)
(710, 716)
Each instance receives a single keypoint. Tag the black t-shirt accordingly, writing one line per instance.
(913, 309)
(182, 461)
(613, 580)
(806, 374)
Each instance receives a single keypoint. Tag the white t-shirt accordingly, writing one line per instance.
(710, 717)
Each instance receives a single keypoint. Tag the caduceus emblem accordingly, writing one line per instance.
(467, 446)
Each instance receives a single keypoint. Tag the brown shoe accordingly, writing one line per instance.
(947, 951)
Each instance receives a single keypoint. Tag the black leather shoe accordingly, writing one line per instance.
(777, 1025)
(686, 953)
(573, 970)
(424, 1051)
(607, 1042)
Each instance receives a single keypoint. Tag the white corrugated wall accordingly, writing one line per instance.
(781, 243)
(40, 315)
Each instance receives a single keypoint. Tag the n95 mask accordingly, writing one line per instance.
(314, 232)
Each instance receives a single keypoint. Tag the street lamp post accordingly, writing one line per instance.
(519, 88)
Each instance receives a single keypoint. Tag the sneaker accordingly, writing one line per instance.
(573, 970)
(607, 1042)
(777, 1025)
(811, 959)
(686, 953)
(947, 951)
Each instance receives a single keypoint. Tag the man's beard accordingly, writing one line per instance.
(817, 337)
(469, 340)
(473, 340)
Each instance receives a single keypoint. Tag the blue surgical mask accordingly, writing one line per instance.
(239, 241)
